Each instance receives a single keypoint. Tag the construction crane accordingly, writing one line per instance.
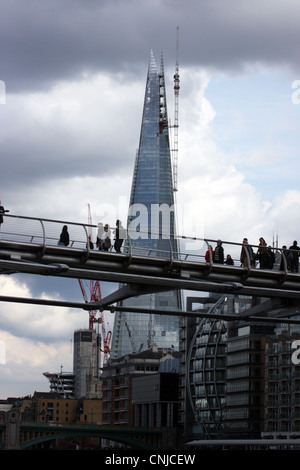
(176, 111)
(106, 338)
(95, 296)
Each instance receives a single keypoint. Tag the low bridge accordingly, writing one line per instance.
(18, 435)
(29, 245)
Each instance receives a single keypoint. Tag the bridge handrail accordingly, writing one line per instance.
(129, 248)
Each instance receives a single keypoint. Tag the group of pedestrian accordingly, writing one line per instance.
(104, 242)
(217, 254)
(264, 255)
(103, 238)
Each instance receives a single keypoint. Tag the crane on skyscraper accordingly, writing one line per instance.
(176, 112)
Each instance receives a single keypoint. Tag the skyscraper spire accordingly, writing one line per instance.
(151, 219)
(152, 181)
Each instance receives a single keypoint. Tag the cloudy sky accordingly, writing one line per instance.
(73, 76)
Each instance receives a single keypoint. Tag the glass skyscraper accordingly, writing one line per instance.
(151, 225)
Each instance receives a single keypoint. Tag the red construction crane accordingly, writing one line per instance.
(95, 296)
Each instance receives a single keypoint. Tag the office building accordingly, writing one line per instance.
(119, 406)
(86, 364)
(222, 375)
(245, 379)
(203, 369)
(282, 386)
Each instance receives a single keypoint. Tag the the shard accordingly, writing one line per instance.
(151, 225)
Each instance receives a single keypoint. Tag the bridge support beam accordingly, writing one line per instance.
(127, 291)
(278, 308)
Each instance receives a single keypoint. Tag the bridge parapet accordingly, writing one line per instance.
(42, 234)
(30, 245)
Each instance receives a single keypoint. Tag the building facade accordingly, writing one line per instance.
(51, 408)
(203, 371)
(86, 364)
(151, 225)
(282, 387)
(222, 374)
(62, 383)
(155, 400)
(245, 386)
(117, 384)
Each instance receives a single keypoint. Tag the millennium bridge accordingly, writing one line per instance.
(30, 245)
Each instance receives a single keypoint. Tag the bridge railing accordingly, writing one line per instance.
(32, 230)
(46, 233)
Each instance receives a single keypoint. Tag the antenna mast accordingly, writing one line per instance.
(176, 94)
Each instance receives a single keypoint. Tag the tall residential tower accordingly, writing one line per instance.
(151, 224)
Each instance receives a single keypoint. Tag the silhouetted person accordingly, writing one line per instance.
(295, 257)
(243, 257)
(262, 254)
(64, 238)
(91, 244)
(99, 235)
(2, 211)
(229, 261)
(209, 253)
(218, 256)
(106, 242)
(119, 236)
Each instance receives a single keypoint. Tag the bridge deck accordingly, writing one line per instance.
(28, 245)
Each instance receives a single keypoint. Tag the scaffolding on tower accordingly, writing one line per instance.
(176, 112)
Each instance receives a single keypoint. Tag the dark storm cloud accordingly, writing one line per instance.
(29, 161)
(42, 42)
(49, 42)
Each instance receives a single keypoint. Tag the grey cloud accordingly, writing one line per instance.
(34, 162)
(43, 42)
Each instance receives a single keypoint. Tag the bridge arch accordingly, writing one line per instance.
(140, 439)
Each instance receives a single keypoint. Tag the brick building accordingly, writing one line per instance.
(51, 408)
(117, 382)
